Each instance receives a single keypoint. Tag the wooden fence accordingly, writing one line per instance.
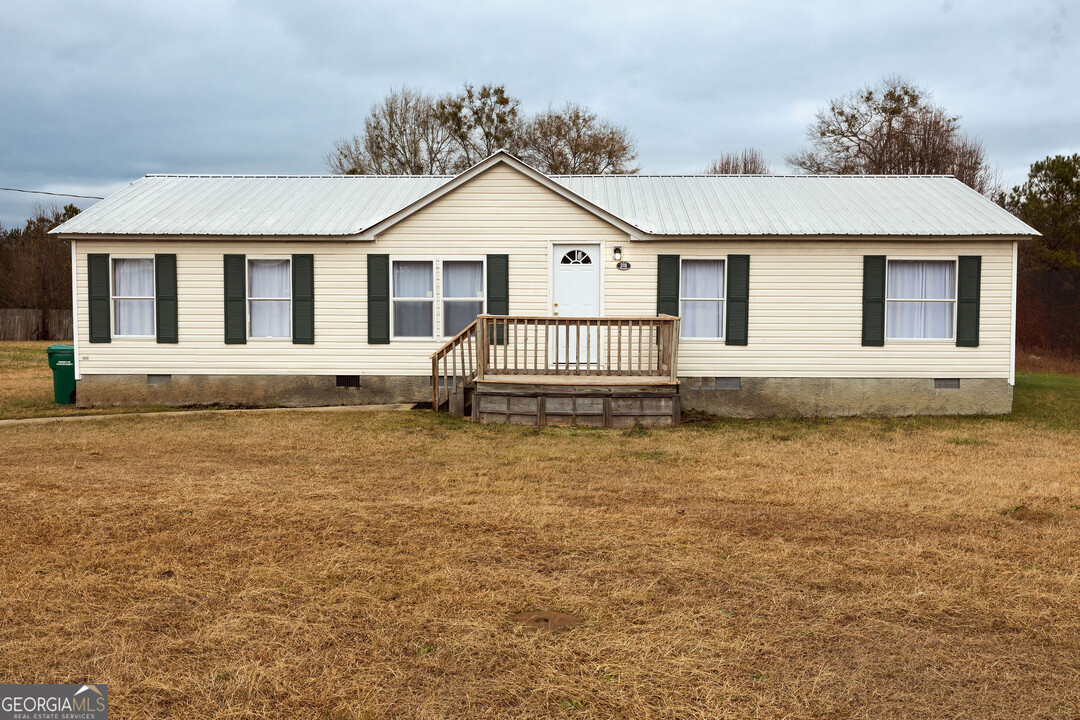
(23, 324)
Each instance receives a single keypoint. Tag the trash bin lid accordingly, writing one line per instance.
(60, 349)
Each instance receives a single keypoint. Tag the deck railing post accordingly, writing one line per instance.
(673, 360)
(481, 346)
(435, 383)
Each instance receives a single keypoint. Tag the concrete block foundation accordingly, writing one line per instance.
(725, 397)
(840, 397)
(250, 390)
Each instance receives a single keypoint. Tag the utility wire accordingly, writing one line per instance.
(43, 192)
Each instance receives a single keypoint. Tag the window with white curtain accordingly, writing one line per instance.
(133, 297)
(414, 299)
(921, 299)
(270, 298)
(701, 298)
(462, 294)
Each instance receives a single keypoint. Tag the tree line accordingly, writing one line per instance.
(35, 267)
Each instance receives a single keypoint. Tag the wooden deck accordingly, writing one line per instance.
(601, 372)
(580, 380)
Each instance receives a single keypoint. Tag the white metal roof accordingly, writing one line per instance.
(657, 205)
(673, 205)
(251, 204)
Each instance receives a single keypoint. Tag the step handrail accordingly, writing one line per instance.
(449, 374)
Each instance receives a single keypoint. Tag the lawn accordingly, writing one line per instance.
(343, 565)
(26, 388)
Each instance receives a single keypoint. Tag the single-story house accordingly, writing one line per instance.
(746, 295)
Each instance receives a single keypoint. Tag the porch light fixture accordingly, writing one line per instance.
(618, 253)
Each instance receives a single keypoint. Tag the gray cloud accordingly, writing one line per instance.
(98, 94)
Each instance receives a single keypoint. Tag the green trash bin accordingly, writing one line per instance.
(62, 362)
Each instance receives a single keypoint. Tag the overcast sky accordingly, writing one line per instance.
(96, 94)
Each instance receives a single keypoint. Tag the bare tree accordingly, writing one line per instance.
(479, 122)
(573, 141)
(748, 162)
(401, 137)
(410, 133)
(893, 128)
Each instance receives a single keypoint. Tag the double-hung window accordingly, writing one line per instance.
(920, 299)
(413, 306)
(701, 299)
(133, 297)
(270, 298)
(462, 294)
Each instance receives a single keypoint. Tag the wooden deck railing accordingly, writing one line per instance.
(497, 345)
(453, 366)
(594, 346)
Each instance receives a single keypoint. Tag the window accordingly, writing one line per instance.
(413, 307)
(701, 298)
(920, 300)
(462, 294)
(133, 297)
(576, 257)
(270, 298)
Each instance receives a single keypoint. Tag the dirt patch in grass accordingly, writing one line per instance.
(337, 565)
(546, 620)
(1025, 514)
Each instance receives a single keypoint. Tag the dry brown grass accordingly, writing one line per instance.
(363, 566)
(1039, 362)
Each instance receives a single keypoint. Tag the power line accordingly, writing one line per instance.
(43, 192)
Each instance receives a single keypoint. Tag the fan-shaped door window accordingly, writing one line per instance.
(576, 257)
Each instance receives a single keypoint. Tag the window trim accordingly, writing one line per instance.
(113, 297)
(955, 260)
(248, 299)
(722, 300)
(434, 298)
(440, 329)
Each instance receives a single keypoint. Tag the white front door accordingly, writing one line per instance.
(575, 292)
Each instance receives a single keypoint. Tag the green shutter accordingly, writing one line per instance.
(873, 301)
(165, 297)
(378, 299)
(498, 291)
(969, 278)
(235, 300)
(498, 284)
(97, 281)
(738, 299)
(667, 285)
(303, 299)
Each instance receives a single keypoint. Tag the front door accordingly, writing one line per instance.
(575, 292)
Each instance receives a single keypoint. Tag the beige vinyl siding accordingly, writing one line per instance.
(805, 296)
(500, 211)
(806, 310)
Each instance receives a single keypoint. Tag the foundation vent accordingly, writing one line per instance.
(348, 381)
(158, 379)
(946, 383)
(729, 383)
